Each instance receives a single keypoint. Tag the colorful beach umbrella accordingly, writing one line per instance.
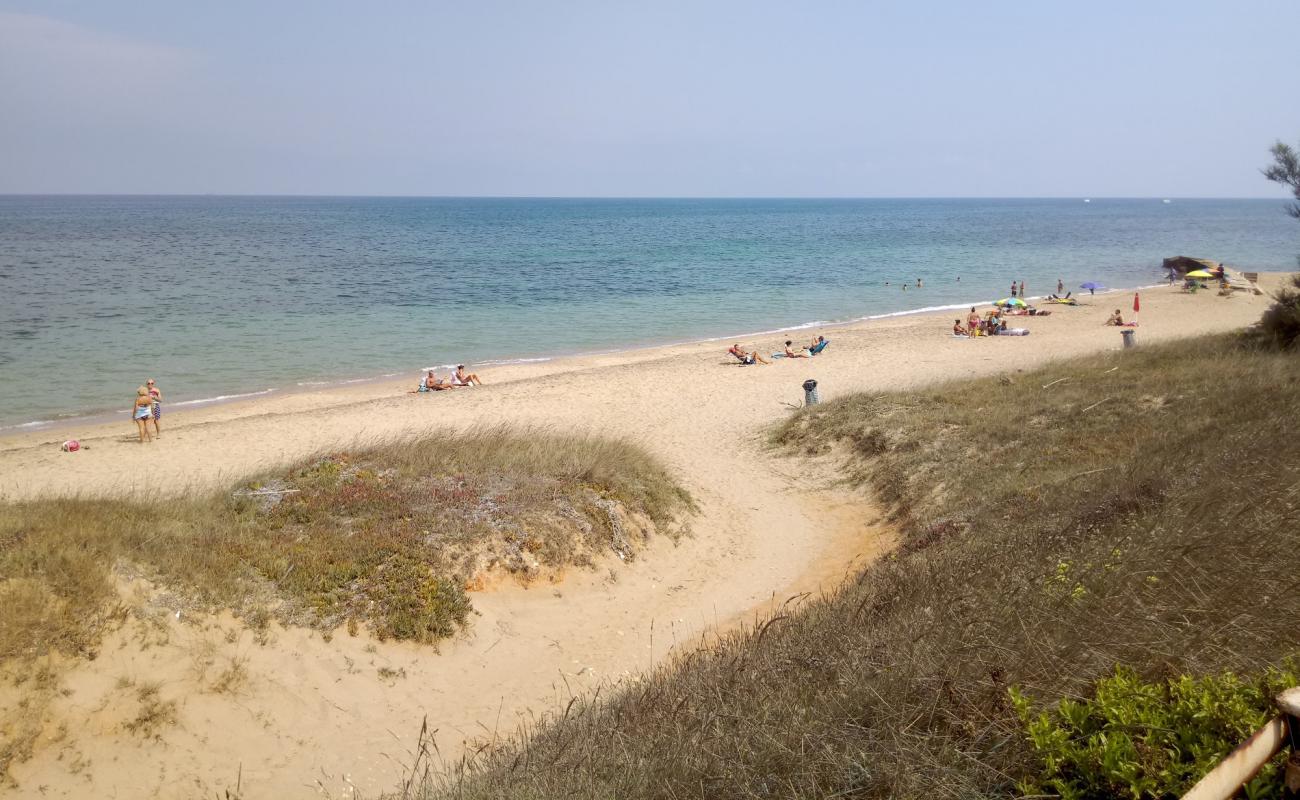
(1009, 301)
(1199, 273)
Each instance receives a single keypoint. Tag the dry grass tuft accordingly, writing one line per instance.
(153, 714)
(1052, 528)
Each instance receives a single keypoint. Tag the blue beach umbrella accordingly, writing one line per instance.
(1091, 286)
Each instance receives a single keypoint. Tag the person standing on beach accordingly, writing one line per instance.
(1022, 290)
(140, 413)
(1013, 288)
(1060, 286)
(155, 405)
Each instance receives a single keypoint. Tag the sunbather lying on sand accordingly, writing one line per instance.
(747, 356)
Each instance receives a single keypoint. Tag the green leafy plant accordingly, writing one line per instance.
(1141, 739)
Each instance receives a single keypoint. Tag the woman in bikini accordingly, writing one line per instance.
(155, 407)
(462, 378)
(140, 412)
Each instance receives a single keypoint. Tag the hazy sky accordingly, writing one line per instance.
(659, 97)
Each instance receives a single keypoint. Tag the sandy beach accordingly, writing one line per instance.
(314, 717)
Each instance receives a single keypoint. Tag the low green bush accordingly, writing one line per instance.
(1149, 739)
(1280, 325)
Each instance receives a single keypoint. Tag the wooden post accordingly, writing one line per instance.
(1289, 703)
(1240, 766)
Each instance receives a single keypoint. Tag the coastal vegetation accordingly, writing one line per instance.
(388, 536)
(1085, 549)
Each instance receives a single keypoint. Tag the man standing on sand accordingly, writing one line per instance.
(1013, 288)
(1022, 291)
(1060, 286)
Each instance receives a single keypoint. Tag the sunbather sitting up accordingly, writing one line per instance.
(790, 352)
(1116, 319)
(747, 356)
(462, 378)
(958, 330)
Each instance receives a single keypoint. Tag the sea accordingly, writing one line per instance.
(228, 297)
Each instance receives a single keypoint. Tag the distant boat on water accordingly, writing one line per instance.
(1166, 200)
(1087, 199)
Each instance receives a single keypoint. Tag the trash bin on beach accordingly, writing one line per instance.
(810, 397)
(1130, 338)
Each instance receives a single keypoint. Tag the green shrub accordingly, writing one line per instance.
(1280, 325)
(1143, 739)
(414, 603)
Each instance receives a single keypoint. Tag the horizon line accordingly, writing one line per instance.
(631, 197)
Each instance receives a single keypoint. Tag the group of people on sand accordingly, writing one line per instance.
(148, 408)
(456, 380)
(991, 324)
(746, 357)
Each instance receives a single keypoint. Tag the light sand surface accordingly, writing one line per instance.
(315, 717)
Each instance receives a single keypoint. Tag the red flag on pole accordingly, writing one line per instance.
(1137, 306)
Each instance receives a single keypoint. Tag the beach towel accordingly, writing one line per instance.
(1014, 332)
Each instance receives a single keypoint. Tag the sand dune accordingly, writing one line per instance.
(317, 717)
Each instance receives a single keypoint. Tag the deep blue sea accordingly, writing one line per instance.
(221, 296)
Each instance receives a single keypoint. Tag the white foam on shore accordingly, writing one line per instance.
(222, 397)
(27, 426)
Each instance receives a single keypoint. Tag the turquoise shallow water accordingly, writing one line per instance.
(220, 296)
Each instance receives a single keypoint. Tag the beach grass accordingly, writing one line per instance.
(387, 536)
(1135, 509)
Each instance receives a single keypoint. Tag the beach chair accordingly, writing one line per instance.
(820, 347)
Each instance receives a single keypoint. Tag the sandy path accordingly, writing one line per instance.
(316, 711)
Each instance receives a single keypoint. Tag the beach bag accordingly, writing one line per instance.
(71, 446)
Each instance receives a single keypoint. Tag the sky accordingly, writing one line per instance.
(655, 98)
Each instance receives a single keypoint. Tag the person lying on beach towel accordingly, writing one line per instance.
(747, 357)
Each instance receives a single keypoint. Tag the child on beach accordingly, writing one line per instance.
(140, 413)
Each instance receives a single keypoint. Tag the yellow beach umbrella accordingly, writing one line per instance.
(1199, 273)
